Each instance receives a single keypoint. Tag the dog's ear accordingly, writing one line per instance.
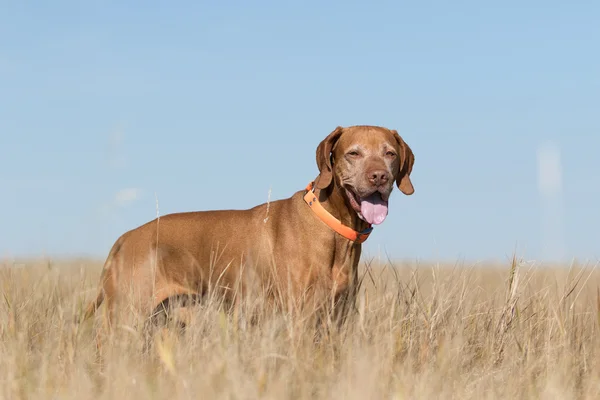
(406, 165)
(324, 149)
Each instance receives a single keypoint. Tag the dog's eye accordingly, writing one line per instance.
(353, 153)
(390, 154)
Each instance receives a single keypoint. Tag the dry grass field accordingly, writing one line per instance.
(420, 331)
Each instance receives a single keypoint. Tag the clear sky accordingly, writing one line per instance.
(107, 106)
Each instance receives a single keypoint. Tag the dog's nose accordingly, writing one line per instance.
(378, 177)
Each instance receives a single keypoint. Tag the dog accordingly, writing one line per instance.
(305, 248)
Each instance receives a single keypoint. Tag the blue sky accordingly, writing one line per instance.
(107, 106)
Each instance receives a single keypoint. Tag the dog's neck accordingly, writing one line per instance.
(334, 201)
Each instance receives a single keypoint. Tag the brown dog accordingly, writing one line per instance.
(307, 246)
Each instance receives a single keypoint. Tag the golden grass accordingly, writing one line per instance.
(420, 331)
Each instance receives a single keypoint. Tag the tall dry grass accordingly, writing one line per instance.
(420, 331)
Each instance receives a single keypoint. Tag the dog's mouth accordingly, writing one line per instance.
(372, 209)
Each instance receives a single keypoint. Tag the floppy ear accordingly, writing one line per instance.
(408, 159)
(325, 177)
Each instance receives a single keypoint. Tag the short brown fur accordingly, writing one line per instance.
(279, 244)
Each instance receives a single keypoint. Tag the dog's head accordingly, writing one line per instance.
(364, 162)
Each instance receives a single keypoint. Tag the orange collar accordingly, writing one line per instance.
(331, 221)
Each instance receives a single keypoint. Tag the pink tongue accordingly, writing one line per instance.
(374, 209)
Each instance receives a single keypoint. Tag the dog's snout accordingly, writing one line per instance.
(378, 177)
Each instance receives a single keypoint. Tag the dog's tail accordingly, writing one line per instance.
(95, 304)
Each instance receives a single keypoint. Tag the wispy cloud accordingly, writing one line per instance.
(116, 155)
(124, 197)
(549, 169)
(120, 200)
(116, 159)
(550, 182)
